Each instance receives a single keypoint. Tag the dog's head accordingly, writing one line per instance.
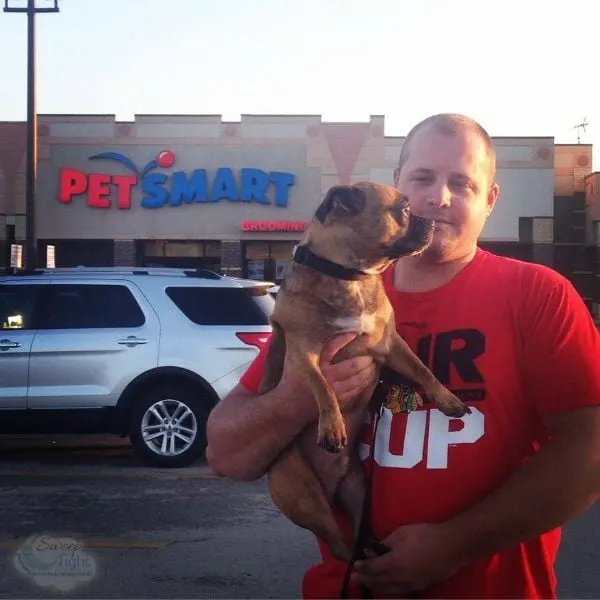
(375, 221)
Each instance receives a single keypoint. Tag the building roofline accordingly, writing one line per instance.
(576, 144)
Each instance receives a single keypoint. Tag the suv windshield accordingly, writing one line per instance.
(223, 306)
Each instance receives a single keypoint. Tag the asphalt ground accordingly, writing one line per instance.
(81, 518)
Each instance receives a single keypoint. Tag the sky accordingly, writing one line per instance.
(520, 67)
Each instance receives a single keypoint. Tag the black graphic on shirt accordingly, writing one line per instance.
(444, 353)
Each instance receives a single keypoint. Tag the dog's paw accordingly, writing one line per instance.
(450, 405)
(332, 437)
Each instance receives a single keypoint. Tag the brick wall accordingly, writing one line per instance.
(125, 253)
(231, 258)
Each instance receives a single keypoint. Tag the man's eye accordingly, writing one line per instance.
(462, 185)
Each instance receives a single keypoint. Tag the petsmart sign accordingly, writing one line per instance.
(174, 188)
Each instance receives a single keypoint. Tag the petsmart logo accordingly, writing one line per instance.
(160, 189)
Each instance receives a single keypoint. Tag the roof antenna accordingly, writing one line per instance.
(579, 127)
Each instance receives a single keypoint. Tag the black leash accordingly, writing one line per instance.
(365, 536)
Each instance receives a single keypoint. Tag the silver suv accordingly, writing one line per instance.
(144, 353)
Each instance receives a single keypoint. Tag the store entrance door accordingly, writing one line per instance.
(267, 260)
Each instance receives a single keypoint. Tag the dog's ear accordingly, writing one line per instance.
(341, 200)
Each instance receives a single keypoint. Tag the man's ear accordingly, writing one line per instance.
(492, 197)
(341, 200)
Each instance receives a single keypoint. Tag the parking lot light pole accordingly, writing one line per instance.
(31, 157)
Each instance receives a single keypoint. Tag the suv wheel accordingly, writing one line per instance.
(168, 426)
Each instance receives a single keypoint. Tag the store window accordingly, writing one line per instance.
(281, 254)
(75, 253)
(267, 260)
(182, 254)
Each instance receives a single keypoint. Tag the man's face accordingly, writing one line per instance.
(447, 178)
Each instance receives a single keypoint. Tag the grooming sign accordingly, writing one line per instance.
(274, 226)
(163, 187)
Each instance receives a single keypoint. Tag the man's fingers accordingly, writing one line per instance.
(350, 376)
(379, 574)
(350, 367)
(382, 581)
(358, 382)
(333, 346)
(381, 566)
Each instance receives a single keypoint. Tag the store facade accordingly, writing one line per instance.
(196, 191)
(176, 191)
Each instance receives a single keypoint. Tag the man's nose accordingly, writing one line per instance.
(440, 196)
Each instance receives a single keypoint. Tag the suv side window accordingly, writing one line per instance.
(17, 306)
(223, 306)
(93, 306)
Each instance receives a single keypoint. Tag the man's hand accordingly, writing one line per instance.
(420, 555)
(246, 431)
(349, 377)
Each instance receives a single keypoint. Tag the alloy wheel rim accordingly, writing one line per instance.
(169, 427)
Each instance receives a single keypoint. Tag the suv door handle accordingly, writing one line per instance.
(7, 344)
(132, 341)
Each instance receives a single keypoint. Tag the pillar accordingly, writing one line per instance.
(125, 253)
(231, 258)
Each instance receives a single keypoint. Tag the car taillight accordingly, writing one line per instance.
(254, 339)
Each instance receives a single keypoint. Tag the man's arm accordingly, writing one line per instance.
(557, 484)
(561, 354)
(246, 431)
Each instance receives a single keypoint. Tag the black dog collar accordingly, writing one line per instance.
(303, 256)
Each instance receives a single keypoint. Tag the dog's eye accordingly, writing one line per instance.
(400, 211)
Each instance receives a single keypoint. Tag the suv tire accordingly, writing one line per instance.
(184, 414)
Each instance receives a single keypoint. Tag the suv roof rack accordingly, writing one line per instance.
(171, 271)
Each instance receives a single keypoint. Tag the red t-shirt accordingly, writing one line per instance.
(513, 339)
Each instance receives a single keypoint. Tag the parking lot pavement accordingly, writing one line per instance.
(139, 532)
(136, 531)
(83, 456)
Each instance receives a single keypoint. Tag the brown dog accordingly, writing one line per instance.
(333, 286)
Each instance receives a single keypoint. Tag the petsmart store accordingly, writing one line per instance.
(197, 191)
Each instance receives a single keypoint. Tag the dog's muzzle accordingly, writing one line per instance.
(417, 238)
(420, 229)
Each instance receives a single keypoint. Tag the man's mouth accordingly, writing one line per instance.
(434, 219)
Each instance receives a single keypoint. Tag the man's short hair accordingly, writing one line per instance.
(449, 124)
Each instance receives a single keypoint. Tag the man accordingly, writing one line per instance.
(471, 507)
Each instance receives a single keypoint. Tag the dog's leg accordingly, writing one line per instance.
(352, 489)
(351, 492)
(351, 496)
(274, 362)
(304, 361)
(297, 492)
(404, 361)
